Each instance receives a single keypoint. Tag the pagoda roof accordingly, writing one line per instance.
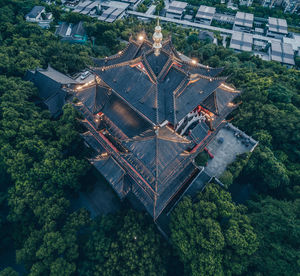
(160, 87)
(160, 157)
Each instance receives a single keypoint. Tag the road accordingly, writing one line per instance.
(198, 25)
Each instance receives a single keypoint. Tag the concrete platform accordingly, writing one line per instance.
(228, 143)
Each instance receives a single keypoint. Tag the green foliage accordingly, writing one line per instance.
(8, 272)
(41, 164)
(202, 158)
(213, 236)
(278, 228)
(127, 244)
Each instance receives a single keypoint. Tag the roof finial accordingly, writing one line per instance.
(157, 38)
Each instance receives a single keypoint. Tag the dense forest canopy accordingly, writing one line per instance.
(43, 165)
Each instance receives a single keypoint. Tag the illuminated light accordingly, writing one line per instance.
(135, 237)
(120, 52)
(194, 61)
(227, 87)
(230, 104)
(210, 79)
(141, 37)
(79, 87)
(104, 154)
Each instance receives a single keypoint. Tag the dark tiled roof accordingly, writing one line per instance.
(49, 83)
(112, 172)
(160, 158)
(199, 132)
(56, 102)
(35, 11)
(146, 90)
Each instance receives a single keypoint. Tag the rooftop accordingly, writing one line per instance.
(282, 52)
(70, 31)
(143, 100)
(177, 7)
(277, 25)
(241, 41)
(244, 19)
(35, 11)
(206, 12)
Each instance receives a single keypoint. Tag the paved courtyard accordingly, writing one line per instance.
(228, 143)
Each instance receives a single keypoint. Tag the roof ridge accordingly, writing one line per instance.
(156, 172)
(128, 62)
(180, 86)
(168, 64)
(119, 54)
(148, 68)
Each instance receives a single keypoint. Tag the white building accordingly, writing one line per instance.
(38, 15)
(243, 22)
(283, 53)
(205, 15)
(247, 3)
(241, 42)
(277, 27)
(176, 9)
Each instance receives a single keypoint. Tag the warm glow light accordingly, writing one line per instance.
(141, 37)
(230, 104)
(120, 52)
(194, 61)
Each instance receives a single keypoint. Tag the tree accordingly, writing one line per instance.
(135, 248)
(277, 224)
(212, 235)
(8, 272)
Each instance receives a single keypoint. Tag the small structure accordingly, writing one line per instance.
(116, 14)
(205, 15)
(247, 3)
(112, 10)
(243, 22)
(283, 53)
(74, 33)
(50, 84)
(206, 35)
(114, 4)
(176, 10)
(132, 3)
(82, 5)
(111, 14)
(38, 15)
(277, 27)
(90, 8)
(259, 31)
(241, 42)
(294, 41)
(271, 3)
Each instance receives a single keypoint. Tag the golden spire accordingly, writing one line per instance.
(157, 38)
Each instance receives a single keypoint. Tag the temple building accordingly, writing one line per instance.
(148, 114)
